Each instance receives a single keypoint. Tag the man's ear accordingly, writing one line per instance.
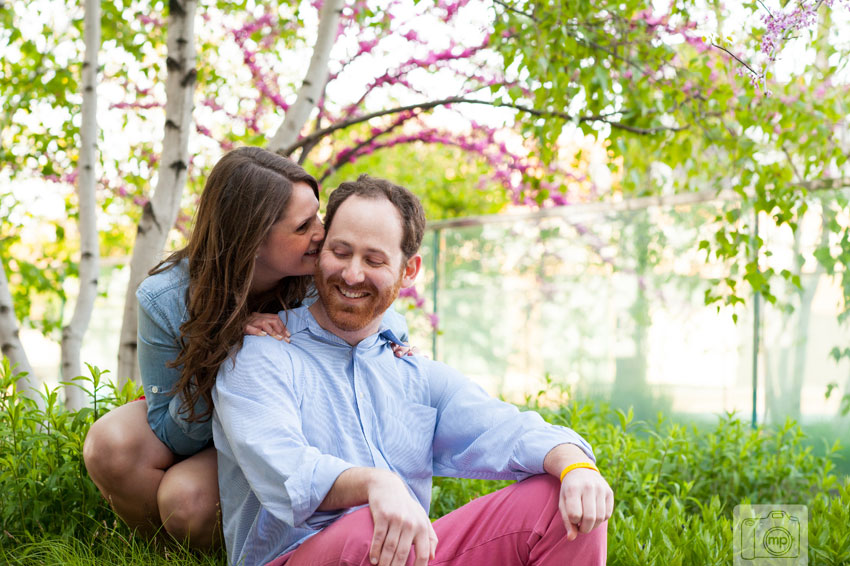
(410, 271)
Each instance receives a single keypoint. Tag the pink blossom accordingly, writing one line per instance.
(434, 319)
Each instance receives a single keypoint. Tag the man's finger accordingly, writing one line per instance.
(588, 514)
(432, 536)
(390, 545)
(378, 536)
(568, 525)
(422, 544)
(404, 546)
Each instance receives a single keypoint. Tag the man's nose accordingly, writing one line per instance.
(353, 273)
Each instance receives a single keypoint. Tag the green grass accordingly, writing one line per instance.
(113, 549)
(676, 484)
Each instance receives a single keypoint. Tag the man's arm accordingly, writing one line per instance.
(585, 500)
(400, 521)
(259, 430)
(482, 437)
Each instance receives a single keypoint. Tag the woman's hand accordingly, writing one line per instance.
(401, 350)
(266, 324)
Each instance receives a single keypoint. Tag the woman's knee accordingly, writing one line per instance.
(120, 443)
(189, 503)
(108, 450)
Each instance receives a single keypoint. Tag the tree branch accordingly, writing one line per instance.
(319, 134)
(515, 11)
(736, 58)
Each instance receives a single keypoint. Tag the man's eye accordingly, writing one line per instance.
(340, 254)
(375, 262)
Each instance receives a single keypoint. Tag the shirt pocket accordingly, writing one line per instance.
(407, 436)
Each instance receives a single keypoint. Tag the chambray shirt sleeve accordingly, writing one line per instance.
(482, 437)
(158, 328)
(256, 401)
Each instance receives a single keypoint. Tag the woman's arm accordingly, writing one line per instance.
(160, 315)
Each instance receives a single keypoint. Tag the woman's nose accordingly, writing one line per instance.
(319, 232)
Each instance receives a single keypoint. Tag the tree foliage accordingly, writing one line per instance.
(482, 100)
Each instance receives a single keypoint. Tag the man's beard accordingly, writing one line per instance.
(349, 317)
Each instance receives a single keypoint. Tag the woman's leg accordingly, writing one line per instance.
(127, 462)
(188, 500)
(138, 475)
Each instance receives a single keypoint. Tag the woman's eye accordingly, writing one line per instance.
(303, 228)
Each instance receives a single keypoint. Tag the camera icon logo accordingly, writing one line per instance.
(777, 534)
(771, 535)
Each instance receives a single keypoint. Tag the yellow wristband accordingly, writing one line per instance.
(577, 465)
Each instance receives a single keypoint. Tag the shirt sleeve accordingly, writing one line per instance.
(482, 437)
(157, 347)
(257, 407)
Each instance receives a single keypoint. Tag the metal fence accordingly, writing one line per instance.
(610, 302)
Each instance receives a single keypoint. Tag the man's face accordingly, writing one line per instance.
(361, 266)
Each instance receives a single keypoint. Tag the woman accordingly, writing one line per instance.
(252, 250)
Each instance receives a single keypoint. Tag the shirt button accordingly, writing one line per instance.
(154, 389)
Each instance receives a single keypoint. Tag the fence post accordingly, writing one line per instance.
(756, 324)
(434, 293)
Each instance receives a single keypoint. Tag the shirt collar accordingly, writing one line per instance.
(301, 319)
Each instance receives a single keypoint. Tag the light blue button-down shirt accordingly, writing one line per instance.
(289, 418)
(162, 309)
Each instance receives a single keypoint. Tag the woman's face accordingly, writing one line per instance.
(292, 244)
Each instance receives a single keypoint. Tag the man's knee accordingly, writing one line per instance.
(542, 485)
(539, 493)
(346, 541)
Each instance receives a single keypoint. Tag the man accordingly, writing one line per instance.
(327, 445)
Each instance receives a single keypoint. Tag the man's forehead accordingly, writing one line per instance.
(371, 222)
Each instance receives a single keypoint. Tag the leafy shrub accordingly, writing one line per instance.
(675, 486)
(43, 481)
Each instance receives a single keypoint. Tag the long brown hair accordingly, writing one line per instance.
(246, 192)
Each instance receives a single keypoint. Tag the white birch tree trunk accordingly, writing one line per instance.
(72, 335)
(10, 342)
(160, 213)
(314, 82)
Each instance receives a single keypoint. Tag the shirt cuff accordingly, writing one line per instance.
(326, 469)
(534, 447)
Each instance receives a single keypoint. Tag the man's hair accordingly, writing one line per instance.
(408, 206)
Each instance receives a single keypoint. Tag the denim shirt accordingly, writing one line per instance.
(162, 309)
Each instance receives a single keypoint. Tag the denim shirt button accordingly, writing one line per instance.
(154, 389)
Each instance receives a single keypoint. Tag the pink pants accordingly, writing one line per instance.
(517, 525)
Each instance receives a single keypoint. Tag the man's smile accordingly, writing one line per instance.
(351, 294)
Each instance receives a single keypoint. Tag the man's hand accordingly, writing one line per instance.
(585, 500)
(266, 324)
(400, 521)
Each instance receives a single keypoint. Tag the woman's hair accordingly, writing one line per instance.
(245, 194)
